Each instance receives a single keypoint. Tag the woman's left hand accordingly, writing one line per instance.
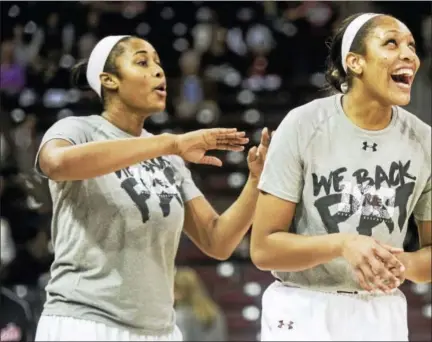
(401, 255)
(257, 155)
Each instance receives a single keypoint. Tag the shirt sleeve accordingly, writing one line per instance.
(188, 188)
(422, 209)
(283, 171)
(71, 129)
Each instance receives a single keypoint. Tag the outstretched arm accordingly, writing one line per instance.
(60, 160)
(67, 152)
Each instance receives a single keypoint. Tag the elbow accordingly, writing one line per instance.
(214, 248)
(217, 255)
(221, 254)
(259, 257)
(52, 166)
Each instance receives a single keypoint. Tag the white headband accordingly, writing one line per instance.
(97, 60)
(350, 34)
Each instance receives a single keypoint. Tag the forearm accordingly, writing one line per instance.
(95, 159)
(289, 252)
(233, 224)
(418, 265)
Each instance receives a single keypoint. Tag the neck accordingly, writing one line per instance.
(365, 111)
(129, 121)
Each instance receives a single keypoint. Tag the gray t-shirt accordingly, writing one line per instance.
(116, 236)
(347, 179)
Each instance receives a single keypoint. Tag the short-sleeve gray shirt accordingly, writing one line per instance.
(116, 236)
(346, 179)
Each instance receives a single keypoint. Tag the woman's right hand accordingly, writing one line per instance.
(193, 146)
(375, 264)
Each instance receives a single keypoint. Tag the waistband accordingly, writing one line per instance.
(342, 292)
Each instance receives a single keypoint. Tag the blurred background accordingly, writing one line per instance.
(236, 64)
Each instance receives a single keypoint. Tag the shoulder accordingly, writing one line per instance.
(312, 113)
(79, 127)
(302, 123)
(413, 121)
(83, 120)
(74, 122)
(74, 129)
(417, 130)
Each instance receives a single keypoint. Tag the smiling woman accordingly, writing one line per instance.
(372, 58)
(342, 177)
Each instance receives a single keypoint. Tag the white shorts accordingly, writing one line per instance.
(294, 314)
(58, 328)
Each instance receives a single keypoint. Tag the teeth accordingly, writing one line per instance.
(404, 71)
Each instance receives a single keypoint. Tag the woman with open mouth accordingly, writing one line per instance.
(342, 177)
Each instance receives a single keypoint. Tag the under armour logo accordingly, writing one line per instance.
(366, 146)
(283, 324)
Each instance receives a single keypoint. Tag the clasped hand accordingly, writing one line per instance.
(375, 264)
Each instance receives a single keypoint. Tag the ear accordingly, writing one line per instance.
(109, 81)
(355, 63)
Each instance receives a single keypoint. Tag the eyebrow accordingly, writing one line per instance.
(141, 51)
(146, 52)
(398, 32)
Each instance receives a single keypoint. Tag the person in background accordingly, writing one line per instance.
(198, 317)
(12, 74)
(16, 319)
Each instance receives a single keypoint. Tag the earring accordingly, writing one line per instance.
(344, 87)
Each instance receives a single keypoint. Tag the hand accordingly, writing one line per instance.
(372, 263)
(404, 259)
(257, 155)
(399, 275)
(193, 146)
